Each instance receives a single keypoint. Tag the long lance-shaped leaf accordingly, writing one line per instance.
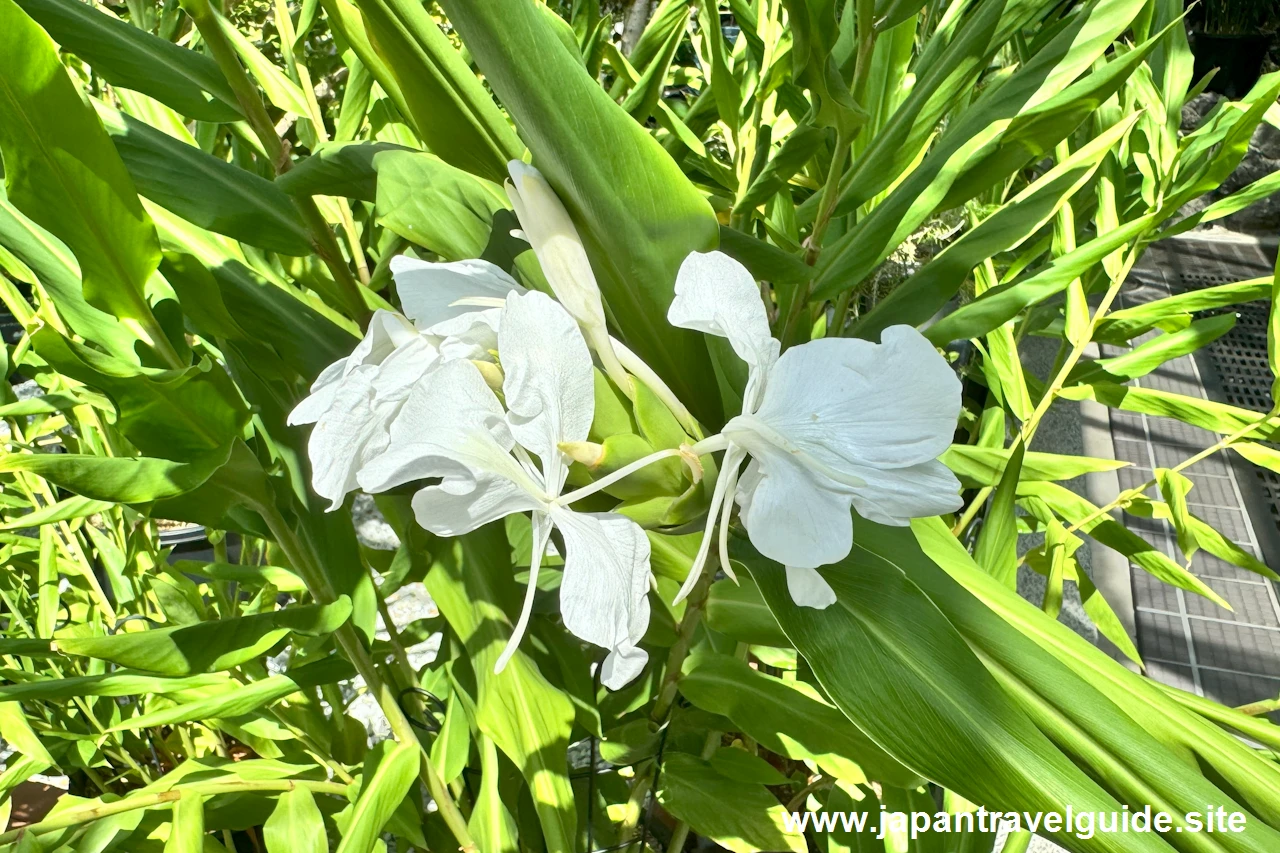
(64, 510)
(62, 171)
(132, 58)
(1127, 323)
(786, 719)
(120, 683)
(527, 717)
(449, 108)
(983, 466)
(244, 698)
(118, 479)
(200, 188)
(1149, 355)
(1206, 414)
(997, 549)
(296, 824)
(1072, 50)
(208, 646)
(1001, 304)
(389, 774)
(948, 718)
(1254, 779)
(638, 215)
(919, 297)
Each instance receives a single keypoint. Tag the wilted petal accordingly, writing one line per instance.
(450, 416)
(718, 295)
(604, 592)
(549, 386)
(809, 589)
(465, 500)
(849, 402)
(427, 291)
(898, 495)
(792, 516)
(349, 432)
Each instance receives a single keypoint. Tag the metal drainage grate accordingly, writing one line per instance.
(1240, 359)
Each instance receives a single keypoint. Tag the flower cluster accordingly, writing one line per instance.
(487, 390)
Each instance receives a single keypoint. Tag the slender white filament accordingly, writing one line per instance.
(535, 563)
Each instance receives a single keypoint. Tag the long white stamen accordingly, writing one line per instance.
(535, 563)
(732, 458)
(625, 471)
(478, 302)
(726, 512)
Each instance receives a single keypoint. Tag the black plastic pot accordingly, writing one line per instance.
(1238, 59)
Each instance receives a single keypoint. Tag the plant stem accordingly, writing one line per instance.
(353, 648)
(348, 295)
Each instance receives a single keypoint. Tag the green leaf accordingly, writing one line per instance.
(739, 816)
(245, 698)
(118, 479)
(737, 610)
(1001, 304)
(766, 262)
(491, 823)
(59, 274)
(920, 296)
(528, 718)
(390, 772)
(132, 58)
(432, 204)
(1113, 722)
(950, 719)
(186, 832)
(279, 577)
(64, 510)
(116, 684)
(1174, 487)
(295, 825)
(983, 466)
(204, 190)
(209, 646)
(449, 108)
(1119, 327)
(1216, 417)
(17, 732)
(62, 171)
(452, 746)
(997, 549)
(789, 718)
(1149, 355)
(637, 214)
(1116, 536)
(345, 169)
(742, 766)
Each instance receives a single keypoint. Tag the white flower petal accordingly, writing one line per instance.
(550, 231)
(427, 291)
(604, 593)
(387, 331)
(473, 335)
(450, 415)
(401, 370)
(465, 500)
(898, 495)
(791, 515)
(809, 589)
(622, 665)
(349, 432)
(322, 393)
(548, 384)
(718, 295)
(850, 402)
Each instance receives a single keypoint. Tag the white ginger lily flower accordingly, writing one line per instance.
(354, 399)
(546, 225)
(833, 423)
(453, 427)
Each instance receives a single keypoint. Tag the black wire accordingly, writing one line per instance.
(431, 726)
(591, 767)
